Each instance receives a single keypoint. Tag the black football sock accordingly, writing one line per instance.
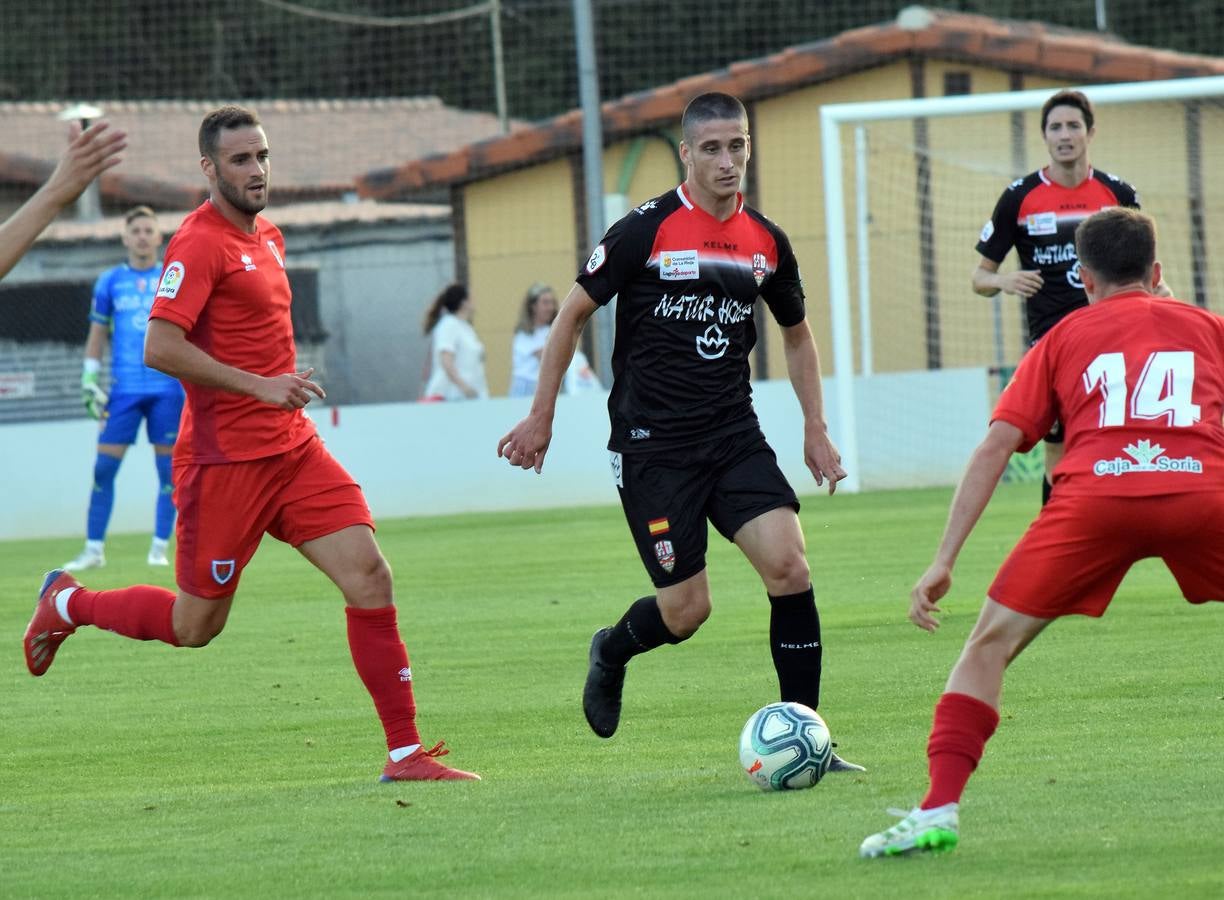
(640, 629)
(1046, 487)
(794, 641)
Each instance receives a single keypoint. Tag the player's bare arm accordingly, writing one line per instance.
(972, 494)
(987, 280)
(89, 153)
(526, 444)
(168, 350)
(803, 366)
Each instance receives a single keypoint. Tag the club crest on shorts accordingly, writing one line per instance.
(223, 570)
(665, 555)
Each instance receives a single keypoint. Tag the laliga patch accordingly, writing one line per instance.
(1042, 223)
(223, 570)
(665, 555)
(678, 265)
(171, 280)
(598, 257)
(987, 231)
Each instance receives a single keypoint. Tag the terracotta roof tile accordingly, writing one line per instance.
(161, 165)
(287, 218)
(1013, 51)
(1030, 47)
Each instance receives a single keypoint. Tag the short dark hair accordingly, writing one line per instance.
(138, 212)
(224, 117)
(1068, 98)
(711, 107)
(1118, 245)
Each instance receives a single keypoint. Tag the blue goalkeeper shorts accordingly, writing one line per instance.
(160, 411)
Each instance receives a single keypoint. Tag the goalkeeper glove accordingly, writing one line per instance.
(91, 391)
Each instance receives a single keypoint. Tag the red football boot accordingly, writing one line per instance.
(423, 765)
(47, 630)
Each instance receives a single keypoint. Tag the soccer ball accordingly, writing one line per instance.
(784, 747)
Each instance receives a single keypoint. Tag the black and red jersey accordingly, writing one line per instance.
(1038, 217)
(686, 286)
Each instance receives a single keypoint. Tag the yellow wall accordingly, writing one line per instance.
(521, 226)
(786, 143)
(519, 230)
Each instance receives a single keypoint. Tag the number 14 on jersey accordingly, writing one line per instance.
(1164, 389)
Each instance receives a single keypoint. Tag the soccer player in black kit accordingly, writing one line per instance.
(686, 447)
(1038, 215)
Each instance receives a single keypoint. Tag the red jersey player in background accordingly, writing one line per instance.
(248, 460)
(1138, 381)
(1038, 214)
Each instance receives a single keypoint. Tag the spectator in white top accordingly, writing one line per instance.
(535, 320)
(539, 310)
(456, 354)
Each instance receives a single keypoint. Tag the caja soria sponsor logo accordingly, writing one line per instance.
(1146, 457)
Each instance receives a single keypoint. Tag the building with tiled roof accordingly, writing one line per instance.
(1019, 48)
(319, 147)
(520, 209)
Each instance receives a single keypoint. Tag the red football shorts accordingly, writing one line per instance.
(224, 509)
(1075, 553)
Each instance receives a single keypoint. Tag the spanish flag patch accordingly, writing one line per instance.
(658, 526)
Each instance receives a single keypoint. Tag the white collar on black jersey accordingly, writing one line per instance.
(1041, 173)
(684, 198)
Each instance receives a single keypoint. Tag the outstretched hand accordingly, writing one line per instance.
(822, 458)
(90, 153)
(290, 391)
(924, 598)
(526, 444)
(1023, 282)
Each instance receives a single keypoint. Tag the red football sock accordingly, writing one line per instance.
(963, 725)
(382, 662)
(144, 612)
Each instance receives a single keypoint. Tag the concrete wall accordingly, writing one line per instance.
(429, 459)
(375, 281)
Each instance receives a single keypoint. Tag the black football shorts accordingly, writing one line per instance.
(668, 495)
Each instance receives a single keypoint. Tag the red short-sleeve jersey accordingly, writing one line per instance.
(228, 290)
(1138, 383)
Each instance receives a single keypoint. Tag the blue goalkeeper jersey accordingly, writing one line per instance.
(122, 299)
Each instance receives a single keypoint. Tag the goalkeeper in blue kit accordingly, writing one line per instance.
(122, 298)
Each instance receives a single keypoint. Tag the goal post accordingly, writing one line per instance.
(844, 207)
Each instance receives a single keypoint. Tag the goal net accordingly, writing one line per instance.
(909, 186)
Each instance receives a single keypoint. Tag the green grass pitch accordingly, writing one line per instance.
(248, 768)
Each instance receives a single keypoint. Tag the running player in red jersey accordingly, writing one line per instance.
(248, 460)
(688, 268)
(90, 153)
(1037, 215)
(1138, 380)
